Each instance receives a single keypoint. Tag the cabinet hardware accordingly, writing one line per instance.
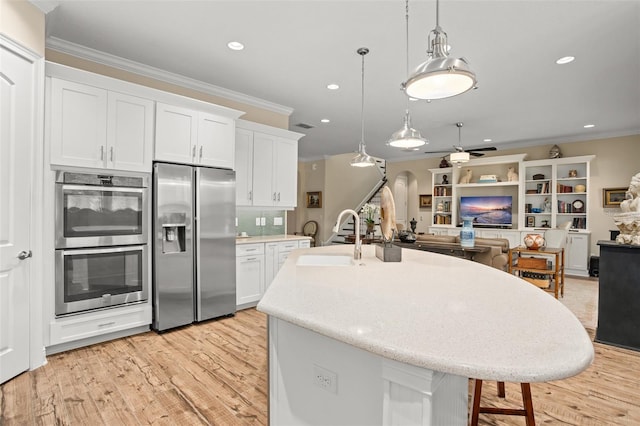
(106, 324)
(274, 196)
(251, 259)
(278, 196)
(250, 195)
(193, 152)
(24, 254)
(201, 152)
(111, 154)
(101, 152)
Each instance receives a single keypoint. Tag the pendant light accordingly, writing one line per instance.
(407, 137)
(362, 159)
(440, 76)
(460, 156)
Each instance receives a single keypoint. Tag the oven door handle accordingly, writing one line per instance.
(106, 249)
(97, 188)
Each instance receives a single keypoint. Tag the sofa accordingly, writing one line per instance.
(497, 256)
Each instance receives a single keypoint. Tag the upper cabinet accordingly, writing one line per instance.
(185, 135)
(100, 128)
(94, 121)
(266, 166)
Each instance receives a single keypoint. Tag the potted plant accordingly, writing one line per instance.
(369, 213)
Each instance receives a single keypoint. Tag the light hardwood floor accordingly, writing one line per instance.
(215, 374)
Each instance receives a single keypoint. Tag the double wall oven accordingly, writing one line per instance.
(101, 236)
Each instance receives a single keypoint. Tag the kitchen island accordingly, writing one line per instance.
(370, 342)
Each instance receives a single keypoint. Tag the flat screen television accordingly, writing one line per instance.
(489, 211)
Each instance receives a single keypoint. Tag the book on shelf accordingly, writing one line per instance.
(579, 223)
(564, 188)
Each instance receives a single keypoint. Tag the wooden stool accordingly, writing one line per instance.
(527, 412)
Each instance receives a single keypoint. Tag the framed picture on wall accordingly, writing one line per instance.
(612, 197)
(314, 200)
(425, 200)
(531, 221)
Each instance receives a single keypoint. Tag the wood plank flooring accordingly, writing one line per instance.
(215, 373)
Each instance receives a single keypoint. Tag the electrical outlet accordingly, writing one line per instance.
(257, 221)
(263, 221)
(277, 221)
(325, 379)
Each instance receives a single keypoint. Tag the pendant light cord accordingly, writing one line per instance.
(362, 104)
(407, 44)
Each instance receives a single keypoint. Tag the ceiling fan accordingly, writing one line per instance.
(475, 152)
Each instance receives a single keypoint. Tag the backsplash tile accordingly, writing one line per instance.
(247, 221)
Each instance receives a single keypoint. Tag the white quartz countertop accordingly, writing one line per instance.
(434, 311)
(270, 239)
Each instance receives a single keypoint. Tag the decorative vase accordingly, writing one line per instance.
(534, 241)
(467, 233)
(370, 226)
(413, 223)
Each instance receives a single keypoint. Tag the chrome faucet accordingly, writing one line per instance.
(357, 251)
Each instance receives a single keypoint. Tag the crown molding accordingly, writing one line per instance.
(103, 58)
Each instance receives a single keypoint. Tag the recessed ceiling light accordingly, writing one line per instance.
(333, 86)
(235, 45)
(565, 60)
(589, 126)
(325, 120)
(486, 140)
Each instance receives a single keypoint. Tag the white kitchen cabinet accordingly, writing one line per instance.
(250, 274)
(94, 127)
(576, 254)
(276, 254)
(244, 167)
(271, 266)
(185, 135)
(266, 161)
(73, 328)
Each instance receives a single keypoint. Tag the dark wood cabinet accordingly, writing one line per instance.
(619, 295)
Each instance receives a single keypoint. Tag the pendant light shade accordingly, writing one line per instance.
(460, 156)
(362, 159)
(407, 137)
(440, 76)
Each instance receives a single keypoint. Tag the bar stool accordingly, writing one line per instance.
(527, 412)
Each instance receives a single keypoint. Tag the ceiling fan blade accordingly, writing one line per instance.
(437, 152)
(488, 148)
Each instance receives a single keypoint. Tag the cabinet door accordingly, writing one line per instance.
(271, 263)
(577, 255)
(215, 141)
(249, 279)
(286, 172)
(264, 193)
(176, 134)
(78, 126)
(129, 132)
(244, 167)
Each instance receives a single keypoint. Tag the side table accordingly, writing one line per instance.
(556, 273)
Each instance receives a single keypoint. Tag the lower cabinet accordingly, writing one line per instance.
(69, 332)
(250, 274)
(576, 256)
(256, 267)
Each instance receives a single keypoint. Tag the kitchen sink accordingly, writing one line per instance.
(325, 260)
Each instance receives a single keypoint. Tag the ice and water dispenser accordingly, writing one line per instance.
(173, 233)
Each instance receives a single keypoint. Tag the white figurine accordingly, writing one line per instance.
(467, 177)
(512, 176)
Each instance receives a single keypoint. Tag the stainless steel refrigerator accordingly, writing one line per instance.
(194, 275)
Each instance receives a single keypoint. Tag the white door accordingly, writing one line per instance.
(17, 94)
(176, 134)
(286, 172)
(400, 198)
(244, 167)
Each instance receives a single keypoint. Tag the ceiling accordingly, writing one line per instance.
(294, 49)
